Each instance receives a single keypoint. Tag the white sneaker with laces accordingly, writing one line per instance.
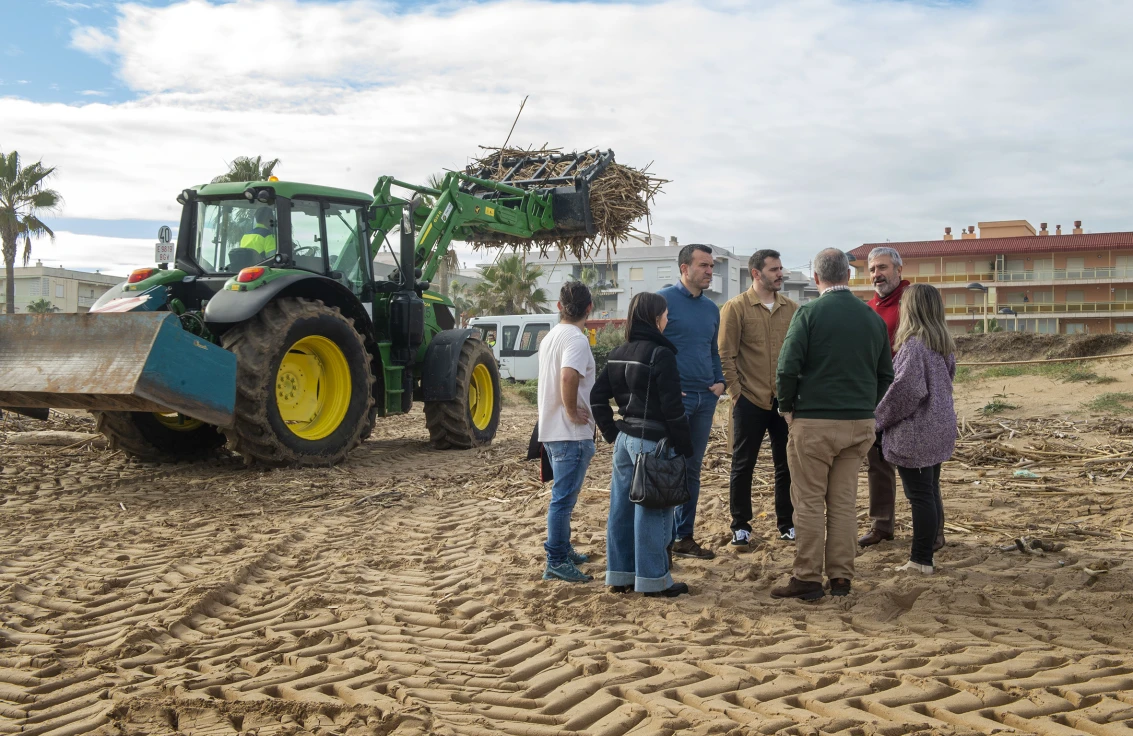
(911, 566)
(788, 536)
(741, 538)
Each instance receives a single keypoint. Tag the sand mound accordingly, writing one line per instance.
(999, 346)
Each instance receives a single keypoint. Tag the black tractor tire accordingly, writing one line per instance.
(450, 423)
(260, 344)
(140, 434)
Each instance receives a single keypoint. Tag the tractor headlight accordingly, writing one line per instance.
(249, 194)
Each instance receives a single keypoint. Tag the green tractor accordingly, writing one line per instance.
(264, 327)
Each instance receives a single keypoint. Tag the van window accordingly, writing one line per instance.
(533, 335)
(488, 333)
(510, 333)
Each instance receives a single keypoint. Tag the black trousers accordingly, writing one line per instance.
(922, 488)
(749, 424)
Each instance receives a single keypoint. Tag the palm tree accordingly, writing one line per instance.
(245, 168)
(23, 199)
(42, 306)
(462, 300)
(510, 286)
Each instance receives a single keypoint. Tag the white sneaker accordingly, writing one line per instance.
(788, 536)
(741, 538)
(911, 566)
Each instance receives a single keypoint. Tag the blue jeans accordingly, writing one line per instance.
(569, 461)
(701, 408)
(636, 537)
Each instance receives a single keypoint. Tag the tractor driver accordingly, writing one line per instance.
(262, 237)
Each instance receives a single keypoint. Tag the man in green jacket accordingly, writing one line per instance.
(834, 367)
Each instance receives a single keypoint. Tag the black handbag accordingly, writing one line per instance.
(659, 481)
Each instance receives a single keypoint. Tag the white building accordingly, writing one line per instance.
(69, 291)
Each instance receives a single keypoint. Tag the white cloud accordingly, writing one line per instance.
(790, 124)
(116, 256)
(92, 40)
(92, 93)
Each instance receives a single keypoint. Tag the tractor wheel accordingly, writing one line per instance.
(158, 437)
(472, 418)
(303, 385)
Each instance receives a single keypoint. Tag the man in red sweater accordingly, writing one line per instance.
(885, 268)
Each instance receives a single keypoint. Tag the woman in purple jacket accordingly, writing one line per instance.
(917, 417)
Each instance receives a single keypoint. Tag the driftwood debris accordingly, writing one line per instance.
(619, 197)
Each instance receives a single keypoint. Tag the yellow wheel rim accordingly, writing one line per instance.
(178, 422)
(481, 397)
(313, 387)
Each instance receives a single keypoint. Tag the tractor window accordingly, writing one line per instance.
(344, 238)
(234, 234)
(306, 244)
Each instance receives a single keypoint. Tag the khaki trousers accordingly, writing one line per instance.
(824, 456)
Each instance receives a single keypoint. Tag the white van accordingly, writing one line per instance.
(515, 339)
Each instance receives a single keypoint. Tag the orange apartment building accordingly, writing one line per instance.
(1025, 280)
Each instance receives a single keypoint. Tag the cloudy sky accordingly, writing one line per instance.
(793, 124)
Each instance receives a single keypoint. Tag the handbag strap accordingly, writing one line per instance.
(649, 380)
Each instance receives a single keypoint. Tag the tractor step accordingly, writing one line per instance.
(133, 361)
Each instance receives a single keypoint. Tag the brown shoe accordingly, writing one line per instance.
(688, 547)
(872, 537)
(839, 586)
(799, 589)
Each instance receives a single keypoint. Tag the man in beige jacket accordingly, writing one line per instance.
(752, 328)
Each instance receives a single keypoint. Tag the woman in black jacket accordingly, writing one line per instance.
(641, 376)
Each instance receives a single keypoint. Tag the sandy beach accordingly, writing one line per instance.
(400, 593)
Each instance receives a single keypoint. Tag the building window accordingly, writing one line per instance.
(1123, 327)
(1014, 266)
(556, 276)
(1044, 268)
(637, 273)
(1075, 296)
(927, 269)
(58, 291)
(956, 267)
(1075, 264)
(735, 274)
(956, 299)
(665, 273)
(1075, 328)
(1042, 297)
(1016, 297)
(1122, 295)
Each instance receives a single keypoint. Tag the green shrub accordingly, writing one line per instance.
(608, 338)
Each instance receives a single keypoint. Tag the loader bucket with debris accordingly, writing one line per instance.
(567, 176)
(132, 361)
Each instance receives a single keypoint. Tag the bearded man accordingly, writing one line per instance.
(752, 328)
(885, 267)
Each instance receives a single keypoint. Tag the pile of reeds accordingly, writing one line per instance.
(619, 197)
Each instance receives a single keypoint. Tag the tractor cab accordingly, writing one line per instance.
(227, 228)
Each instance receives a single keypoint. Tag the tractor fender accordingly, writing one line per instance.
(232, 307)
(442, 359)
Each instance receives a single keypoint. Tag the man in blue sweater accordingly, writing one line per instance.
(694, 323)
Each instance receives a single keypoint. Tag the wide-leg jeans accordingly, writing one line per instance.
(636, 537)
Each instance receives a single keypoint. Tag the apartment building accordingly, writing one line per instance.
(1024, 279)
(69, 291)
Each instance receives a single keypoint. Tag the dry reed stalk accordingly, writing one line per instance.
(619, 197)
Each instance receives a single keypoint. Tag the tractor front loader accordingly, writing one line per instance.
(265, 328)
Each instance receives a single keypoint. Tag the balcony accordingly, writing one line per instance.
(977, 311)
(936, 278)
(87, 301)
(1003, 277)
